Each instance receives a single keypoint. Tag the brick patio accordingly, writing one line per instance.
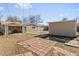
(38, 45)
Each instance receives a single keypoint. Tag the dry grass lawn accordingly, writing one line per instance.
(8, 43)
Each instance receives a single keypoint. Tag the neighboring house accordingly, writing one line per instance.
(46, 28)
(17, 27)
(33, 28)
(12, 27)
(63, 28)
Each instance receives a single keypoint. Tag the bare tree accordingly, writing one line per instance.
(32, 19)
(13, 19)
(0, 18)
(25, 20)
(64, 19)
(35, 19)
(38, 19)
(76, 18)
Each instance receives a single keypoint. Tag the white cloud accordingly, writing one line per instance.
(61, 15)
(23, 5)
(1, 8)
(64, 15)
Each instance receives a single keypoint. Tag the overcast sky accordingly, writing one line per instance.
(49, 12)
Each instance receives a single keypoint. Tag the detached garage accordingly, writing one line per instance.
(63, 28)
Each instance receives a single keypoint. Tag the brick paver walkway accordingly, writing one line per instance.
(38, 45)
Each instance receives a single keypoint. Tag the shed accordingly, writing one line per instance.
(63, 28)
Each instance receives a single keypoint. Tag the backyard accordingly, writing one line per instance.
(9, 46)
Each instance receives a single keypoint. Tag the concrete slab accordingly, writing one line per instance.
(74, 43)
